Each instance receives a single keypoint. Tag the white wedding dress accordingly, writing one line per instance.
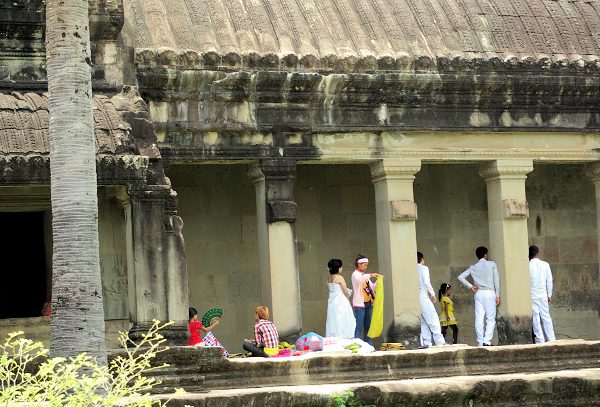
(340, 317)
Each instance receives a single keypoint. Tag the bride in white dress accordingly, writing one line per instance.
(340, 317)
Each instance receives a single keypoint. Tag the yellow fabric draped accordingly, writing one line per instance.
(377, 319)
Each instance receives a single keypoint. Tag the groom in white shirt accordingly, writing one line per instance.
(541, 296)
(430, 322)
(486, 287)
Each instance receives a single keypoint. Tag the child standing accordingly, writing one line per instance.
(447, 316)
(195, 327)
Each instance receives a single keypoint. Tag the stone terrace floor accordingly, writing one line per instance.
(560, 373)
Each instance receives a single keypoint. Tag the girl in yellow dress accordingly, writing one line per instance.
(447, 316)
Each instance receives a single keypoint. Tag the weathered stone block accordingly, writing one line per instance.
(403, 210)
(515, 208)
(282, 211)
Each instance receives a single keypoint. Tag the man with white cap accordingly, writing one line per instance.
(363, 296)
(486, 287)
(430, 322)
(541, 296)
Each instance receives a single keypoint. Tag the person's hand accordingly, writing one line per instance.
(217, 322)
(375, 274)
(549, 300)
(498, 302)
(474, 288)
(432, 298)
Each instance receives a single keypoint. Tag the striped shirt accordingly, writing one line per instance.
(265, 334)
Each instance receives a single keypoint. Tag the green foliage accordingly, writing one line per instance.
(29, 377)
(346, 400)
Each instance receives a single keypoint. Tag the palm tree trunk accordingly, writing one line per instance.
(77, 323)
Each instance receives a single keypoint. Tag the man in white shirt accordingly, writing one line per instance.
(486, 287)
(430, 322)
(541, 296)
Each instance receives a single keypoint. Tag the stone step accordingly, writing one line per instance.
(204, 368)
(548, 389)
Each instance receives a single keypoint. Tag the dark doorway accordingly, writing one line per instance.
(23, 264)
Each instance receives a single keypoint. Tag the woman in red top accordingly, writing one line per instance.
(195, 327)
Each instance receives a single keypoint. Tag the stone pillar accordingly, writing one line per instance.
(593, 171)
(276, 217)
(176, 268)
(509, 242)
(148, 274)
(396, 213)
(125, 202)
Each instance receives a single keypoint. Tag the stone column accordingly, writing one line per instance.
(276, 217)
(396, 213)
(176, 269)
(147, 277)
(593, 171)
(507, 218)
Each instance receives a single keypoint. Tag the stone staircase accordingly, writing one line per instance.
(565, 372)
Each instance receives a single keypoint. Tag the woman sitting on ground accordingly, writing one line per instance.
(195, 327)
(266, 336)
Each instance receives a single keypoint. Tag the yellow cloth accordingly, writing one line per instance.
(377, 319)
(271, 351)
(443, 320)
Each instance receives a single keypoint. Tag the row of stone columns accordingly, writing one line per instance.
(396, 215)
(158, 277)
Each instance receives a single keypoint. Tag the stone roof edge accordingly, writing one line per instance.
(192, 60)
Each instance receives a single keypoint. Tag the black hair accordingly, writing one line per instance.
(419, 257)
(533, 251)
(358, 257)
(192, 312)
(443, 288)
(334, 266)
(481, 251)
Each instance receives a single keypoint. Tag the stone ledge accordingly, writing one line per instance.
(562, 388)
(454, 360)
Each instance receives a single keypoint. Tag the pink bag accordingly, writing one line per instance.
(310, 341)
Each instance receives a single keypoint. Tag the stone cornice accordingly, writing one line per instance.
(184, 59)
(506, 169)
(380, 101)
(385, 170)
(156, 194)
(340, 155)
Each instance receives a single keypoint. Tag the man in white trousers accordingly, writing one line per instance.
(541, 296)
(486, 287)
(430, 322)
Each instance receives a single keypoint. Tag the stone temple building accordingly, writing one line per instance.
(273, 135)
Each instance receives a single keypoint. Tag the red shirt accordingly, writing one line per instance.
(266, 334)
(194, 328)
